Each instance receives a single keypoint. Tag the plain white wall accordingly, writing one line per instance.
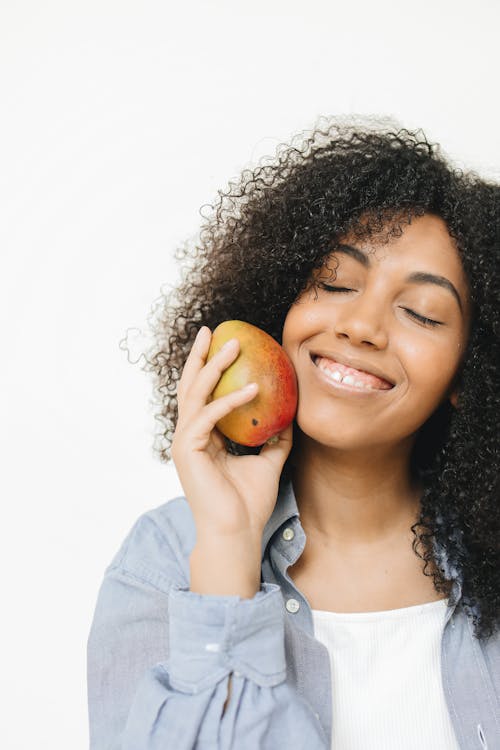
(119, 121)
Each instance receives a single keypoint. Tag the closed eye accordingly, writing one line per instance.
(335, 288)
(422, 319)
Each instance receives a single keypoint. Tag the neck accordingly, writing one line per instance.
(353, 498)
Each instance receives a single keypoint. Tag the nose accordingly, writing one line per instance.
(360, 320)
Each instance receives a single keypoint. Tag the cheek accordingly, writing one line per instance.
(302, 322)
(431, 369)
(292, 332)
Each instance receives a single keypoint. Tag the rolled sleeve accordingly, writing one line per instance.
(160, 656)
(212, 636)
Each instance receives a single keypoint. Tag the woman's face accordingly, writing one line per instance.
(374, 327)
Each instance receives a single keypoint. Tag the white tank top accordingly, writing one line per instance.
(386, 678)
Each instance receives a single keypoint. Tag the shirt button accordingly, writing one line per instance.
(292, 605)
(288, 534)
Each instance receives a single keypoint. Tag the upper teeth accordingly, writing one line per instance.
(347, 379)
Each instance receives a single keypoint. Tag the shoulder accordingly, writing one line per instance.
(491, 651)
(157, 547)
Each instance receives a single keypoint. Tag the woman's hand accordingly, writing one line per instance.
(231, 497)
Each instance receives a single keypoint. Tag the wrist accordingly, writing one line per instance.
(225, 567)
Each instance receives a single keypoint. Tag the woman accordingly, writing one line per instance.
(340, 587)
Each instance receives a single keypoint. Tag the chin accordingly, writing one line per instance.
(327, 436)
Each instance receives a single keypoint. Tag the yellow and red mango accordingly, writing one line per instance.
(263, 361)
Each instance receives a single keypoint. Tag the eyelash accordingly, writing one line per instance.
(421, 318)
(426, 321)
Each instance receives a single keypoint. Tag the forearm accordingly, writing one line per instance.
(226, 567)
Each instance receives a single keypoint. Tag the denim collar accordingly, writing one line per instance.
(286, 508)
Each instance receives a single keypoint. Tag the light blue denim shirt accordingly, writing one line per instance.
(160, 655)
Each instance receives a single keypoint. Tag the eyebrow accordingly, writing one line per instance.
(417, 277)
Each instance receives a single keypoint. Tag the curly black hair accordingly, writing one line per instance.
(256, 252)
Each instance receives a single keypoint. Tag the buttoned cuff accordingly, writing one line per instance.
(211, 636)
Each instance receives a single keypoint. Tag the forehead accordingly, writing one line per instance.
(424, 245)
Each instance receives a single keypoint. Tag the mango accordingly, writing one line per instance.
(263, 361)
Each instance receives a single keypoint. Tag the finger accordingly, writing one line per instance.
(276, 451)
(216, 410)
(216, 443)
(218, 439)
(195, 361)
(207, 378)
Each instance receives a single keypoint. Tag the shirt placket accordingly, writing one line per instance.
(310, 670)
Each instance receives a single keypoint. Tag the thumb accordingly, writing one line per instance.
(277, 448)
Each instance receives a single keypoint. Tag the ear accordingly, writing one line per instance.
(453, 396)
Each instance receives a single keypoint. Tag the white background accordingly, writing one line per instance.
(119, 120)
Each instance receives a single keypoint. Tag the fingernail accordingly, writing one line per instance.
(228, 345)
(249, 387)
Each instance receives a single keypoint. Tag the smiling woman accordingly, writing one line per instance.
(339, 587)
(377, 319)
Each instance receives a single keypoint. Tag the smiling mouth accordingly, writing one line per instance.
(340, 374)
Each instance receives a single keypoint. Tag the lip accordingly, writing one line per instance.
(354, 363)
